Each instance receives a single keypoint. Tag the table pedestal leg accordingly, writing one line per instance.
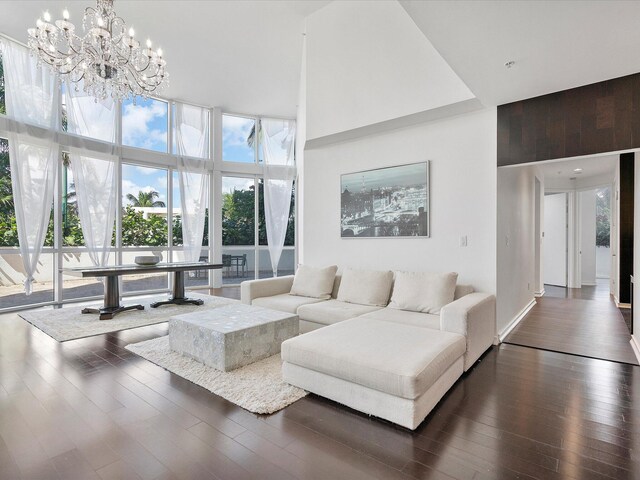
(111, 305)
(177, 294)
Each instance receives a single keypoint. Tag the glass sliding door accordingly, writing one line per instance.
(145, 227)
(288, 257)
(196, 278)
(238, 229)
(74, 253)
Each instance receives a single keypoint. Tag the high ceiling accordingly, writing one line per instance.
(243, 56)
(556, 45)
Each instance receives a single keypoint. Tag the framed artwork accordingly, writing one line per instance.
(385, 202)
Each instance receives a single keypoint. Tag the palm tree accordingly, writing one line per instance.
(145, 199)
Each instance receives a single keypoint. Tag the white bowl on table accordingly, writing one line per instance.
(147, 260)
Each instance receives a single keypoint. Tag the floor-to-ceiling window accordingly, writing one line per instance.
(149, 211)
(244, 236)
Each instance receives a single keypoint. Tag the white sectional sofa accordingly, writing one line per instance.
(393, 343)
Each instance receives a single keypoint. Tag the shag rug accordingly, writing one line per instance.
(69, 323)
(257, 387)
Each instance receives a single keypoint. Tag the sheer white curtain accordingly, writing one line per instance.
(87, 117)
(279, 173)
(32, 100)
(192, 140)
(95, 183)
(94, 174)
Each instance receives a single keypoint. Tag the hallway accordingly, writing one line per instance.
(580, 321)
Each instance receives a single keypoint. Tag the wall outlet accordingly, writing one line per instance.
(463, 241)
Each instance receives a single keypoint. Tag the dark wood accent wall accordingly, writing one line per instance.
(598, 118)
(627, 178)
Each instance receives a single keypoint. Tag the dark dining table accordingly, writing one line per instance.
(112, 306)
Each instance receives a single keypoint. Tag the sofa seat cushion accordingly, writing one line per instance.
(400, 360)
(333, 311)
(285, 302)
(406, 317)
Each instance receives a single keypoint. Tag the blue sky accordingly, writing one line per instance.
(235, 131)
(144, 125)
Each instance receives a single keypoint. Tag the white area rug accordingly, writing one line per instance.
(258, 387)
(69, 323)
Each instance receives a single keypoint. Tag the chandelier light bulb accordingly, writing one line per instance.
(47, 16)
(159, 52)
(39, 22)
(131, 32)
(100, 22)
(65, 14)
(148, 42)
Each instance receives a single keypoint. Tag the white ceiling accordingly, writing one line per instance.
(601, 166)
(556, 45)
(243, 56)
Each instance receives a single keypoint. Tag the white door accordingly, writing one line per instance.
(555, 239)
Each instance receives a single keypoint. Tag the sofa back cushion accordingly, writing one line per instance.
(365, 287)
(314, 282)
(423, 291)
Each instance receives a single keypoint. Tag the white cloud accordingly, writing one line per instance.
(146, 170)
(229, 184)
(235, 130)
(137, 129)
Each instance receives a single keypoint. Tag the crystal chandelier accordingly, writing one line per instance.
(107, 59)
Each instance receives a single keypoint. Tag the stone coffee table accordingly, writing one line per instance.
(232, 336)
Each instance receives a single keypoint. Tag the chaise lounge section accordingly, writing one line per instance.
(391, 344)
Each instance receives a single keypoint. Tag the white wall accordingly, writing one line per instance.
(636, 258)
(462, 199)
(516, 269)
(603, 262)
(367, 62)
(588, 237)
(615, 227)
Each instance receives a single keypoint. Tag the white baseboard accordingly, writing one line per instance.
(588, 284)
(623, 305)
(539, 294)
(635, 344)
(516, 320)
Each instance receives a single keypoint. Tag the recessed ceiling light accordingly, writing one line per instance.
(510, 63)
(577, 170)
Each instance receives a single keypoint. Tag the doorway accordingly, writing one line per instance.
(574, 222)
(555, 240)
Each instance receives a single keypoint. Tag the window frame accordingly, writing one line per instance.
(216, 169)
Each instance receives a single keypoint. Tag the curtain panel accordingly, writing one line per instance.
(192, 142)
(31, 97)
(279, 173)
(94, 174)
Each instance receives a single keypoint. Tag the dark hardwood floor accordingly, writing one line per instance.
(89, 409)
(580, 321)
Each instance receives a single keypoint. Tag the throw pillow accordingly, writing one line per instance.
(314, 282)
(422, 291)
(365, 287)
